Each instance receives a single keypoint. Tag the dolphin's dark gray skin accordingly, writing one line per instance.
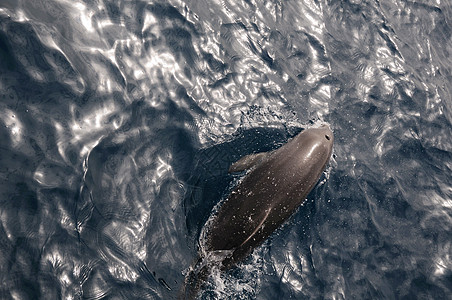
(270, 193)
(267, 196)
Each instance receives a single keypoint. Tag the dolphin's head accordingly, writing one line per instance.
(322, 134)
(325, 137)
(316, 144)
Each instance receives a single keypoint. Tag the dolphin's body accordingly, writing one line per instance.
(267, 196)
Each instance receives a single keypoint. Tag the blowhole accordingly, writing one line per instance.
(327, 137)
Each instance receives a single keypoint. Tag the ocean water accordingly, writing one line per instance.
(119, 120)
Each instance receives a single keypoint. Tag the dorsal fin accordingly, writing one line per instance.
(248, 161)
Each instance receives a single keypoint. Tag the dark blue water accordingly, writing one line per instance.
(119, 120)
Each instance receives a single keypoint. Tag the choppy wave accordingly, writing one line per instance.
(119, 119)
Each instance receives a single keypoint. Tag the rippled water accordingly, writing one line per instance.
(119, 119)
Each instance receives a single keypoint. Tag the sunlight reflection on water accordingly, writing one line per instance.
(118, 121)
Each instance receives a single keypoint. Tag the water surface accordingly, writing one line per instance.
(119, 120)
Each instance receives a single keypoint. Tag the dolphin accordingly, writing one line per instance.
(276, 185)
